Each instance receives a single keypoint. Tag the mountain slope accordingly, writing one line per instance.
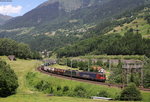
(106, 10)
(48, 13)
(59, 12)
(128, 34)
(4, 18)
(57, 23)
(37, 16)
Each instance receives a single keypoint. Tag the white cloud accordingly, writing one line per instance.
(9, 9)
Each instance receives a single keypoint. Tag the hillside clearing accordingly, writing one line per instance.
(138, 24)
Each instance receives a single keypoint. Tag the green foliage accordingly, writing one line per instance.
(83, 65)
(58, 88)
(103, 93)
(147, 74)
(20, 50)
(131, 93)
(86, 65)
(8, 80)
(148, 19)
(147, 79)
(66, 88)
(44, 86)
(129, 44)
(80, 91)
(99, 63)
(73, 63)
(116, 74)
(135, 78)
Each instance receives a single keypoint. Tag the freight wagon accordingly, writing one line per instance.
(74, 73)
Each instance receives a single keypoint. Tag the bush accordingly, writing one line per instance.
(147, 74)
(8, 80)
(44, 86)
(65, 89)
(80, 91)
(58, 88)
(147, 79)
(103, 94)
(131, 93)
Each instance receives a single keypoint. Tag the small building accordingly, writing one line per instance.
(12, 57)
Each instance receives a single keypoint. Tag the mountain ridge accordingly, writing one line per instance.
(4, 18)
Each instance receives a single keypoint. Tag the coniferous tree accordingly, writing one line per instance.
(8, 80)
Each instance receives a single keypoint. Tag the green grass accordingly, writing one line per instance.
(92, 89)
(26, 93)
(143, 27)
(21, 68)
(45, 98)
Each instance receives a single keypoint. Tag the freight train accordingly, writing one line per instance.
(95, 76)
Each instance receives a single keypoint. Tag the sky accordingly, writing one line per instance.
(18, 7)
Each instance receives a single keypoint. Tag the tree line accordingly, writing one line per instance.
(20, 50)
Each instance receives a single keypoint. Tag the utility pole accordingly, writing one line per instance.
(71, 69)
(88, 65)
(109, 64)
(127, 76)
(142, 75)
(66, 62)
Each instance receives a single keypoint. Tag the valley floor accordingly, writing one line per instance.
(27, 94)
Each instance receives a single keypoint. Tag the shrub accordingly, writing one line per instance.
(65, 89)
(80, 91)
(58, 88)
(147, 79)
(44, 86)
(131, 93)
(103, 94)
(8, 80)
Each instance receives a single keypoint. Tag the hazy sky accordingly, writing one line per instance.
(18, 7)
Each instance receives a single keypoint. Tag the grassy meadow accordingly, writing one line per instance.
(143, 27)
(26, 93)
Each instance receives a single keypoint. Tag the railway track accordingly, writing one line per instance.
(86, 81)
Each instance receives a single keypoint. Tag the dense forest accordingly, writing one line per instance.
(129, 44)
(20, 50)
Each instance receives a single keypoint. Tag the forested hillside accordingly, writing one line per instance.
(126, 35)
(55, 24)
